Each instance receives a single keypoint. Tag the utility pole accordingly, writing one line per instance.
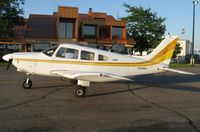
(195, 2)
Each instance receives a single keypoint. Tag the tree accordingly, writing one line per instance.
(177, 50)
(144, 26)
(10, 15)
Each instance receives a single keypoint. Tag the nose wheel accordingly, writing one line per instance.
(80, 91)
(27, 83)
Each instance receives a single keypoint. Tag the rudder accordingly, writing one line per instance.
(164, 51)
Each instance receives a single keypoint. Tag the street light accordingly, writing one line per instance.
(195, 2)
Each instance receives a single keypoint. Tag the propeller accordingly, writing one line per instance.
(9, 63)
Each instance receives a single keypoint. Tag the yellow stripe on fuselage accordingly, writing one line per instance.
(164, 54)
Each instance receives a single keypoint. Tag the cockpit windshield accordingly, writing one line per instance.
(50, 51)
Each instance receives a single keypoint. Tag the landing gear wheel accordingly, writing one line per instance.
(80, 91)
(27, 84)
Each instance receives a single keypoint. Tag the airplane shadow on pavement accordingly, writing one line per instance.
(170, 82)
(160, 81)
(116, 91)
(50, 87)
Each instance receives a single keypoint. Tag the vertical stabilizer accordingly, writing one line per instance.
(164, 51)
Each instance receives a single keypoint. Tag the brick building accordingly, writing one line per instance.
(67, 25)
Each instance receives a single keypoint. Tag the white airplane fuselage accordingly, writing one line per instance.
(43, 63)
(92, 65)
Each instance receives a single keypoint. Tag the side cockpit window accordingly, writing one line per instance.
(50, 51)
(85, 55)
(67, 53)
(102, 57)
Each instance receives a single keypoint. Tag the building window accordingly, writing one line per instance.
(85, 55)
(14, 48)
(67, 53)
(104, 32)
(89, 30)
(102, 58)
(66, 28)
(117, 31)
(40, 47)
(62, 30)
(70, 28)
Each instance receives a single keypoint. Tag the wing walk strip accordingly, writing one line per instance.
(164, 54)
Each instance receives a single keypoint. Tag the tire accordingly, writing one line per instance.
(27, 86)
(80, 91)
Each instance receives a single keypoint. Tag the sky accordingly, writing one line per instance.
(178, 13)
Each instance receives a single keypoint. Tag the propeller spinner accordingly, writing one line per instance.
(9, 59)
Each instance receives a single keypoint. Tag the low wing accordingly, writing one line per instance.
(178, 71)
(63, 73)
(88, 76)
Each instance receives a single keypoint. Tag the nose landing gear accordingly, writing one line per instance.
(27, 83)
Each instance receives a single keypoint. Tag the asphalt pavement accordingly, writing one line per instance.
(166, 102)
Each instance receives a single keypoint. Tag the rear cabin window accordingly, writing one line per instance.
(102, 58)
(85, 55)
(67, 53)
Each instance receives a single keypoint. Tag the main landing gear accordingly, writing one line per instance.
(80, 90)
(27, 83)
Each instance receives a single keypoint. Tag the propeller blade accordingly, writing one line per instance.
(9, 63)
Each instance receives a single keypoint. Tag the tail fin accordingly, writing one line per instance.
(164, 51)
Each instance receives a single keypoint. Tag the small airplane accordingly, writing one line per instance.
(85, 65)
